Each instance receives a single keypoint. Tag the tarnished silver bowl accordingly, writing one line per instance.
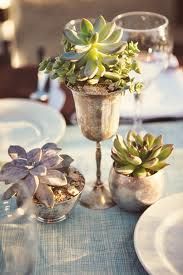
(135, 194)
(58, 213)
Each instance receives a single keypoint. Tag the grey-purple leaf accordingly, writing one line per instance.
(49, 153)
(22, 198)
(11, 191)
(20, 162)
(50, 146)
(55, 178)
(31, 182)
(16, 151)
(12, 173)
(67, 160)
(51, 162)
(44, 194)
(34, 156)
(39, 170)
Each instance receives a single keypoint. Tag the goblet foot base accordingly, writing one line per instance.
(97, 198)
(58, 219)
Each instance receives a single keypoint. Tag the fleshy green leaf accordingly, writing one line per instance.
(91, 68)
(112, 76)
(72, 56)
(150, 163)
(106, 31)
(139, 172)
(86, 26)
(72, 37)
(126, 170)
(115, 37)
(165, 151)
(99, 24)
(158, 166)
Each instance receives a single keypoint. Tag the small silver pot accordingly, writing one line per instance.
(135, 194)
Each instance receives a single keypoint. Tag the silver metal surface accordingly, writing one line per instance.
(135, 194)
(97, 115)
(98, 119)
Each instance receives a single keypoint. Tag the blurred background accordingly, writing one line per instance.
(25, 25)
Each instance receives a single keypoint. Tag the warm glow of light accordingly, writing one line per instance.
(17, 59)
(8, 30)
(5, 4)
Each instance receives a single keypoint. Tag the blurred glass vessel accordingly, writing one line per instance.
(151, 31)
(18, 238)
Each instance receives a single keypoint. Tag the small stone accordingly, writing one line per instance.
(72, 190)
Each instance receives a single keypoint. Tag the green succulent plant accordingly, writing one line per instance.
(138, 156)
(96, 54)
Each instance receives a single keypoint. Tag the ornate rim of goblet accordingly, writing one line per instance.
(158, 15)
(111, 94)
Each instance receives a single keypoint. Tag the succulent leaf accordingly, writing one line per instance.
(133, 159)
(34, 156)
(99, 23)
(158, 141)
(106, 31)
(140, 172)
(139, 156)
(91, 68)
(158, 166)
(115, 37)
(13, 174)
(39, 170)
(20, 162)
(155, 152)
(11, 191)
(99, 55)
(165, 151)
(50, 146)
(119, 143)
(86, 26)
(73, 56)
(32, 183)
(126, 169)
(67, 160)
(72, 36)
(150, 163)
(51, 162)
(16, 151)
(56, 178)
(44, 194)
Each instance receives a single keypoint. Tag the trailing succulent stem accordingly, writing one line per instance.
(95, 54)
(138, 156)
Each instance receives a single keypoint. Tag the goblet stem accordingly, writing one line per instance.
(98, 162)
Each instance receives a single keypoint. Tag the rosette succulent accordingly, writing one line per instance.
(138, 156)
(95, 54)
(33, 173)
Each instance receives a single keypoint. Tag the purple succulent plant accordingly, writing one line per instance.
(32, 173)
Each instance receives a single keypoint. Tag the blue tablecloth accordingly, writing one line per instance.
(100, 242)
